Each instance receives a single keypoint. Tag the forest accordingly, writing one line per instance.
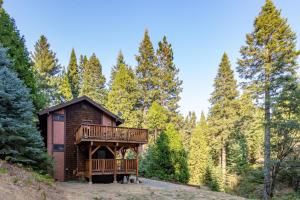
(248, 144)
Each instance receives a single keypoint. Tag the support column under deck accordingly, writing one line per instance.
(90, 163)
(137, 165)
(115, 164)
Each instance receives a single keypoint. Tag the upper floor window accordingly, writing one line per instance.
(58, 117)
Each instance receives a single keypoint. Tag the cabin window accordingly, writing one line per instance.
(58, 117)
(58, 148)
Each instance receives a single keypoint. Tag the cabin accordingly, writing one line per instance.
(88, 141)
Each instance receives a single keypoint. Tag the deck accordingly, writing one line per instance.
(107, 166)
(100, 133)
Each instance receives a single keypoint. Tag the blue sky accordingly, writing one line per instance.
(199, 31)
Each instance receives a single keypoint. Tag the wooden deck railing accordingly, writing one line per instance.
(106, 166)
(98, 132)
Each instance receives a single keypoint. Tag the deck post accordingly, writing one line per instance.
(115, 164)
(90, 163)
(137, 165)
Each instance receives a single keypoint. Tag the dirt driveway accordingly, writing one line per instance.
(148, 189)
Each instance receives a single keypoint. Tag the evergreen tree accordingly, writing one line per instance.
(124, 95)
(94, 81)
(47, 68)
(198, 153)
(65, 91)
(20, 142)
(120, 62)
(147, 74)
(157, 118)
(268, 60)
(11, 39)
(169, 83)
(223, 111)
(83, 62)
(189, 125)
(167, 158)
(73, 74)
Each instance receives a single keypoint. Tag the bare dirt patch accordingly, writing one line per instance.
(148, 190)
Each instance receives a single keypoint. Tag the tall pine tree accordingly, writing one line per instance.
(93, 84)
(198, 153)
(73, 74)
(223, 111)
(47, 68)
(268, 60)
(11, 39)
(124, 94)
(147, 73)
(169, 82)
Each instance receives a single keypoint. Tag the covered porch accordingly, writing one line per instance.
(104, 159)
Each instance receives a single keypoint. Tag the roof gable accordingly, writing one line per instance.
(78, 100)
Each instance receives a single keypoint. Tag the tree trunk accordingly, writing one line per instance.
(267, 177)
(223, 156)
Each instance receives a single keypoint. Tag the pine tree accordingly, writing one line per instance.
(169, 83)
(11, 39)
(156, 119)
(124, 95)
(167, 158)
(83, 62)
(20, 142)
(147, 74)
(268, 60)
(223, 111)
(94, 81)
(189, 125)
(47, 68)
(65, 91)
(198, 153)
(73, 74)
(120, 62)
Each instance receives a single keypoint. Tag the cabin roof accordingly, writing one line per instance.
(77, 100)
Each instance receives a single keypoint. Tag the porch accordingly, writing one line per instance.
(100, 133)
(109, 166)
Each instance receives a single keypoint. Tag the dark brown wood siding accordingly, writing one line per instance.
(75, 114)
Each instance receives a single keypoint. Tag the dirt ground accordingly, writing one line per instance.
(148, 190)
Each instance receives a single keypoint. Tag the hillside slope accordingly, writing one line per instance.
(17, 183)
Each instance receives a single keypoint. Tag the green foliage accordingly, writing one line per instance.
(189, 125)
(93, 84)
(166, 159)
(156, 117)
(46, 68)
(73, 74)
(213, 177)
(124, 94)
(169, 82)
(11, 39)
(223, 113)
(65, 91)
(198, 153)
(147, 74)
(268, 64)
(20, 142)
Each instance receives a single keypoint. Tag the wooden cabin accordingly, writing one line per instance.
(86, 140)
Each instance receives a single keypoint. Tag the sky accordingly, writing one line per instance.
(199, 31)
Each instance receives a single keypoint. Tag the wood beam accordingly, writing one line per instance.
(90, 163)
(96, 149)
(115, 165)
(110, 150)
